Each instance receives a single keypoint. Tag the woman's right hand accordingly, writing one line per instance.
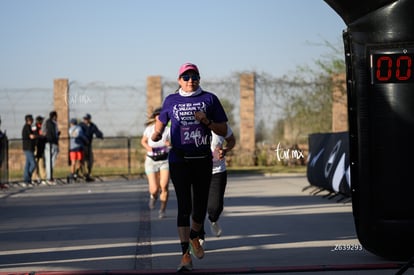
(156, 136)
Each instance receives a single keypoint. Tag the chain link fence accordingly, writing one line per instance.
(120, 113)
(121, 110)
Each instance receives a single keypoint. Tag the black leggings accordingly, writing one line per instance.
(191, 180)
(216, 197)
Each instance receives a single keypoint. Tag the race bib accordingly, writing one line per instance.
(191, 134)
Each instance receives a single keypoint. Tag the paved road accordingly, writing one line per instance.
(270, 225)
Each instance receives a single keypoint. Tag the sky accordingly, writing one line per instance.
(122, 42)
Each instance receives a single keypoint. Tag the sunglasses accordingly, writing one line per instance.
(187, 77)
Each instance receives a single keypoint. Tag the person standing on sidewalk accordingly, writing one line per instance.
(28, 138)
(77, 139)
(220, 146)
(156, 164)
(3, 153)
(90, 130)
(193, 114)
(40, 172)
(51, 131)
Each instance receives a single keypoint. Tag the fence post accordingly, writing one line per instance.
(154, 93)
(129, 157)
(4, 158)
(247, 116)
(61, 104)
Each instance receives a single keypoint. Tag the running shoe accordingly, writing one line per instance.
(88, 178)
(42, 183)
(186, 263)
(161, 214)
(202, 242)
(215, 229)
(50, 182)
(196, 249)
(152, 201)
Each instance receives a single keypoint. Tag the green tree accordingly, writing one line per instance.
(228, 108)
(308, 96)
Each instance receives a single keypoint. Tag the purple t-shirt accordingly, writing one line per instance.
(188, 135)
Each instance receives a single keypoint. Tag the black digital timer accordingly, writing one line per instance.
(392, 65)
(379, 55)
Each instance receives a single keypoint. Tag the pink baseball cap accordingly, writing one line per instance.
(186, 67)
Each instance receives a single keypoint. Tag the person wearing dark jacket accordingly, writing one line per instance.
(28, 138)
(89, 130)
(40, 172)
(51, 131)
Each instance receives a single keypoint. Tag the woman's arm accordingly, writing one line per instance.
(220, 128)
(230, 143)
(158, 130)
(144, 143)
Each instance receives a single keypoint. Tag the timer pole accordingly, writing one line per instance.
(379, 44)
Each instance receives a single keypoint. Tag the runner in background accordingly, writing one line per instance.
(156, 164)
(220, 146)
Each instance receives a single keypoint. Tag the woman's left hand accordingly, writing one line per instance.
(200, 115)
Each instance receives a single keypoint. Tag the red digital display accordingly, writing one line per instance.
(392, 66)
